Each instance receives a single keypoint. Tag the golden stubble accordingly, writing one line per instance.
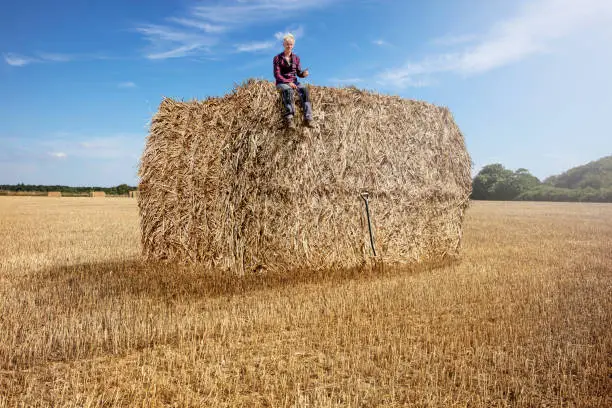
(524, 319)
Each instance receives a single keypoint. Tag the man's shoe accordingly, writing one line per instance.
(289, 122)
(309, 123)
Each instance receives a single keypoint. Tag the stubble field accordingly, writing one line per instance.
(525, 319)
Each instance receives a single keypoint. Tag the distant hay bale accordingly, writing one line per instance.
(54, 194)
(221, 183)
(134, 194)
(97, 194)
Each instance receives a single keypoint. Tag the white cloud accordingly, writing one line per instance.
(255, 11)
(534, 30)
(297, 32)
(206, 27)
(201, 27)
(169, 42)
(254, 46)
(71, 158)
(17, 60)
(380, 43)
(127, 84)
(112, 146)
(182, 51)
(450, 40)
(52, 57)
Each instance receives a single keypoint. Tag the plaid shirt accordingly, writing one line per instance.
(287, 72)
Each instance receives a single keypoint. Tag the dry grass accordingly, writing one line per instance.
(524, 320)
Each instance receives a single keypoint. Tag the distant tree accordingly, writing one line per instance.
(526, 180)
(495, 182)
(596, 174)
(545, 192)
(123, 189)
(486, 183)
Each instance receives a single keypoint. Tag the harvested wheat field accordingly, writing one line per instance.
(524, 319)
(221, 183)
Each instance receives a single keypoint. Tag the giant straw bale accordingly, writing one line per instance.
(223, 184)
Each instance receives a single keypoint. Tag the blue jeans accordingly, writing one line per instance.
(287, 95)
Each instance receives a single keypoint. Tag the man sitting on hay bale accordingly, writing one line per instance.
(287, 69)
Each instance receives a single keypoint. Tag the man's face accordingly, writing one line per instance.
(288, 44)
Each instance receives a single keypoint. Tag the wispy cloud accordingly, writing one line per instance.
(201, 27)
(206, 27)
(95, 147)
(239, 13)
(298, 32)
(174, 42)
(178, 52)
(127, 84)
(450, 40)
(58, 155)
(381, 43)
(17, 60)
(533, 30)
(255, 46)
(71, 158)
(52, 57)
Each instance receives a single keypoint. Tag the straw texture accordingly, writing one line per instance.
(221, 182)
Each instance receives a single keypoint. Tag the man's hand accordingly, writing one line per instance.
(291, 84)
(305, 73)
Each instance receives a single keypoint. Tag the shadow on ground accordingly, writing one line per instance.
(171, 281)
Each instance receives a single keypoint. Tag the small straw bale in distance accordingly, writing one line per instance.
(97, 194)
(134, 194)
(54, 194)
(222, 183)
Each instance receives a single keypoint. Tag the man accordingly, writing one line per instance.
(287, 69)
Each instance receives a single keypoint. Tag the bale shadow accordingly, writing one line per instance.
(164, 280)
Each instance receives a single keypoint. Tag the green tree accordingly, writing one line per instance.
(525, 180)
(596, 174)
(495, 182)
(123, 189)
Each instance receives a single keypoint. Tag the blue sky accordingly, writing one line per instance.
(528, 82)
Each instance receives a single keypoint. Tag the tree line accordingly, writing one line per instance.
(122, 189)
(591, 182)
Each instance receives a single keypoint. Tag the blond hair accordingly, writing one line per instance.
(288, 36)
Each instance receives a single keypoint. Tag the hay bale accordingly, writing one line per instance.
(97, 194)
(134, 194)
(221, 183)
(54, 194)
